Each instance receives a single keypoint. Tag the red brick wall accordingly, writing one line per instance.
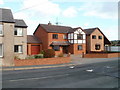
(43, 61)
(102, 55)
(73, 49)
(60, 38)
(42, 35)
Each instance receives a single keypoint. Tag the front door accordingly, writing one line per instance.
(65, 49)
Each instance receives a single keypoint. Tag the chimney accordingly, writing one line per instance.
(49, 23)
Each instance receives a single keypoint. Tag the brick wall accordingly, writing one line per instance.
(73, 49)
(43, 61)
(42, 35)
(102, 55)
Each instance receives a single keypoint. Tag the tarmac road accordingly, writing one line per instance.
(92, 75)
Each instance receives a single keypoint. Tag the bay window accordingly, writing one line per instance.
(56, 47)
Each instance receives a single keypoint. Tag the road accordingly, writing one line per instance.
(96, 75)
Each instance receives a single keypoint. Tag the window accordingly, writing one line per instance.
(64, 36)
(1, 50)
(56, 48)
(55, 36)
(79, 36)
(93, 36)
(97, 47)
(79, 47)
(1, 29)
(18, 32)
(100, 37)
(18, 48)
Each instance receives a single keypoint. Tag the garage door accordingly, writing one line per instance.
(35, 49)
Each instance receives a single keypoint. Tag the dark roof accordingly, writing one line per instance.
(74, 29)
(32, 39)
(60, 43)
(55, 28)
(6, 15)
(90, 30)
(20, 23)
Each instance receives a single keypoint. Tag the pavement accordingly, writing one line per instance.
(75, 60)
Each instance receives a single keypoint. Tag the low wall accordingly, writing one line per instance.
(42, 61)
(102, 55)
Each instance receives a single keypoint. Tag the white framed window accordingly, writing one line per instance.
(1, 29)
(1, 50)
(18, 48)
(56, 48)
(64, 36)
(80, 47)
(18, 32)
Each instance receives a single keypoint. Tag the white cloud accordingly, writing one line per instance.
(38, 11)
(70, 12)
(85, 25)
(42, 7)
(106, 10)
(110, 32)
(1, 2)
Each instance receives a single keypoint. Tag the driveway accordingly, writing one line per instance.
(77, 59)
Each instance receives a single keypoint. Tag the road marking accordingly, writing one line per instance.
(38, 78)
(90, 70)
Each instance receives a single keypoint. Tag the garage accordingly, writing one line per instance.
(35, 49)
(34, 45)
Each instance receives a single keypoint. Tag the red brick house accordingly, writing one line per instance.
(64, 39)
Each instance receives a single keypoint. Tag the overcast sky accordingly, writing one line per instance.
(74, 13)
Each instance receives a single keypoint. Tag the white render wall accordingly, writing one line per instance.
(79, 31)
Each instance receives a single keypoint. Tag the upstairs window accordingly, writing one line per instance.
(93, 36)
(55, 36)
(1, 50)
(18, 48)
(100, 37)
(65, 36)
(79, 47)
(18, 32)
(79, 36)
(1, 29)
(56, 48)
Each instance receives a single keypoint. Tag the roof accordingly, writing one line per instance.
(55, 28)
(32, 39)
(20, 23)
(6, 15)
(60, 43)
(74, 29)
(90, 30)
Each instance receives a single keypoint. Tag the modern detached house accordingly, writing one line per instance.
(64, 39)
(13, 38)
(95, 40)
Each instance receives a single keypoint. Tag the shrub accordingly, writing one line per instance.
(49, 53)
(42, 52)
(30, 57)
(16, 57)
(38, 56)
(60, 55)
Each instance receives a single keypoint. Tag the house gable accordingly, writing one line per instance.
(73, 36)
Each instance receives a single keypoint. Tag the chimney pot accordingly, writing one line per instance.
(49, 23)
